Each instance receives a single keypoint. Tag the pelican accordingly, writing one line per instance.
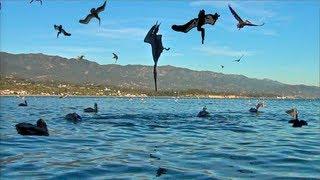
(36, 0)
(94, 13)
(80, 57)
(23, 104)
(242, 23)
(61, 30)
(36, 130)
(73, 117)
(155, 40)
(161, 171)
(115, 56)
(238, 60)
(202, 19)
(204, 112)
(295, 121)
(90, 109)
(255, 110)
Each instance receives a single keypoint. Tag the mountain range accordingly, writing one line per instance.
(43, 68)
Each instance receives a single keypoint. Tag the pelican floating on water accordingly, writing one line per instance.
(256, 108)
(23, 104)
(295, 121)
(73, 117)
(90, 109)
(34, 130)
(204, 112)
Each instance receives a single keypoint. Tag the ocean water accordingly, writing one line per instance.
(116, 143)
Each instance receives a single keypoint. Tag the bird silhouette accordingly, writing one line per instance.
(80, 57)
(197, 22)
(40, 129)
(94, 13)
(61, 30)
(255, 110)
(36, 0)
(115, 56)
(238, 60)
(242, 23)
(155, 40)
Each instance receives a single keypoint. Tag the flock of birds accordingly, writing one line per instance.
(155, 39)
(40, 128)
(292, 112)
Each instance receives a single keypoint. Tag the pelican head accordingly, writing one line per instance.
(41, 123)
(93, 10)
(204, 108)
(156, 28)
(240, 25)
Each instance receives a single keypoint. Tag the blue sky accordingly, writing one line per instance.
(285, 49)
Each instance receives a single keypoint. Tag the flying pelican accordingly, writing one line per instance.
(238, 60)
(242, 23)
(36, 0)
(94, 13)
(155, 40)
(198, 22)
(61, 30)
(80, 57)
(115, 56)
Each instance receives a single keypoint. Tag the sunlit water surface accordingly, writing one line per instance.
(117, 141)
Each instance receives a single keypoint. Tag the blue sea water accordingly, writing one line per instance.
(118, 140)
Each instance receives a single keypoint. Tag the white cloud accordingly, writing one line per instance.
(223, 51)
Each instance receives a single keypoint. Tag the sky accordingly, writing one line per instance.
(285, 49)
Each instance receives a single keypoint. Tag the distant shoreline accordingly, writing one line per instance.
(163, 97)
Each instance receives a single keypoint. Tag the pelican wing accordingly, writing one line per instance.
(250, 24)
(101, 8)
(115, 56)
(211, 19)
(65, 33)
(56, 27)
(235, 14)
(186, 27)
(292, 112)
(86, 20)
(150, 37)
